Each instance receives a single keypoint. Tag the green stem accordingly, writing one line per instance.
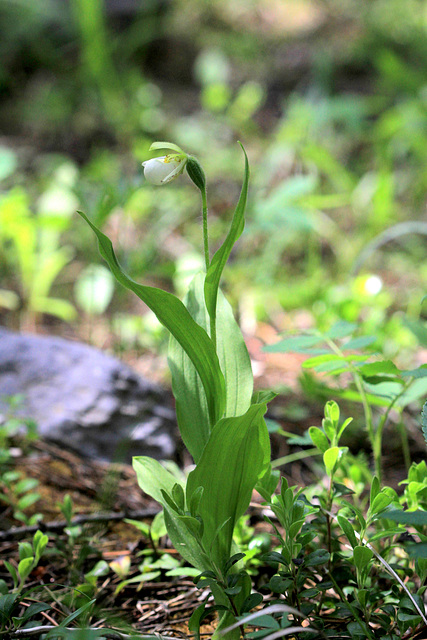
(382, 423)
(364, 627)
(366, 407)
(212, 321)
(205, 227)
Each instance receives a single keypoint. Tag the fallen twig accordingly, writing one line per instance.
(59, 525)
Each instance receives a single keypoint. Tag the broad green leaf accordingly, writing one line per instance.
(263, 396)
(380, 502)
(348, 530)
(332, 411)
(7, 604)
(187, 545)
(319, 439)
(377, 368)
(152, 478)
(375, 489)
(234, 361)
(330, 458)
(171, 312)
(191, 406)
(196, 619)
(414, 518)
(220, 258)
(362, 556)
(25, 567)
(386, 533)
(236, 455)
(332, 357)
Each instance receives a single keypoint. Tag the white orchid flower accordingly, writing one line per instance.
(162, 170)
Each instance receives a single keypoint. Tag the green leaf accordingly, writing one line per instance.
(414, 518)
(75, 614)
(386, 533)
(330, 458)
(220, 258)
(344, 427)
(178, 496)
(386, 367)
(348, 530)
(25, 567)
(153, 478)
(380, 502)
(362, 556)
(332, 411)
(12, 572)
(319, 439)
(7, 604)
(25, 550)
(40, 541)
(235, 457)
(184, 541)
(33, 610)
(195, 620)
(332, 357)
(375, 489)
(191, 406)
(27, 500)
(313, 559)
(171, 312)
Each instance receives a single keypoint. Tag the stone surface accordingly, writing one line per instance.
(84, 399)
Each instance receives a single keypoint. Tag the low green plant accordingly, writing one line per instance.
(328, 552)
(30, 246)
(220, 421)
(377, 383)
(29, 556)
(17, 490)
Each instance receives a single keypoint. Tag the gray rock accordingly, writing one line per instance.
(84, 399)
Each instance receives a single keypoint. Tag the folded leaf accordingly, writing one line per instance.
(153, 479)
(191, 406)
(235, 457)
(171, 312)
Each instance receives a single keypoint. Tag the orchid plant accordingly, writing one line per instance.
(221, 420)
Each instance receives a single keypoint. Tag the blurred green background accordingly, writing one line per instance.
(329, 98)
